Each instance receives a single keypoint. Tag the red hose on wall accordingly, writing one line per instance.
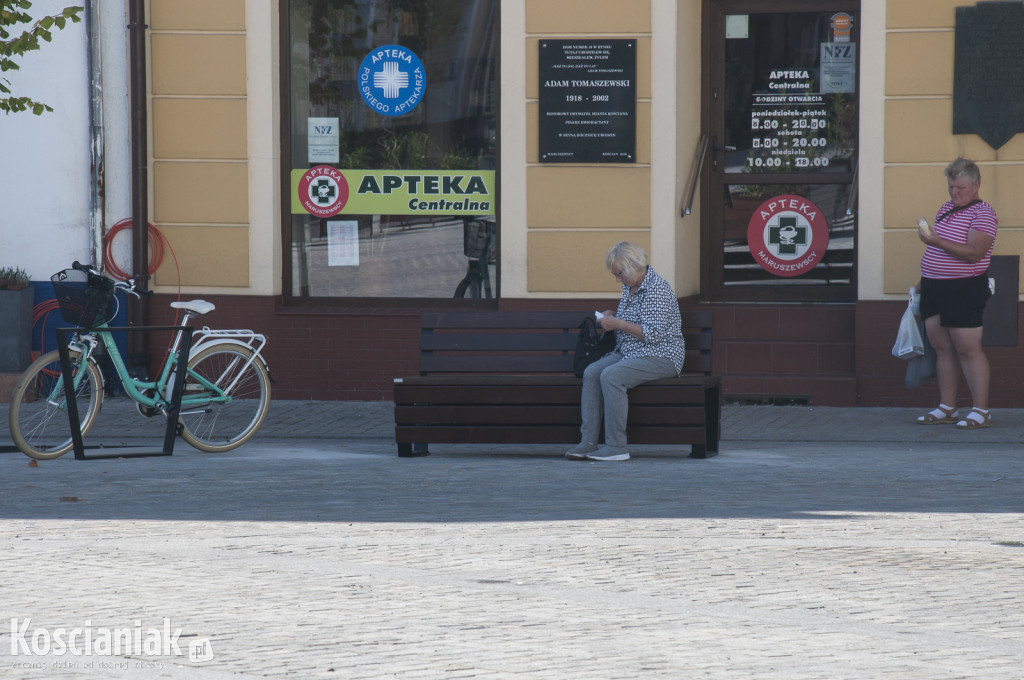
(156, 249)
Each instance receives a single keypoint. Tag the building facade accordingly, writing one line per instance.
(325, 170)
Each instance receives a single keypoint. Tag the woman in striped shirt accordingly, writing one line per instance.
(954, 289)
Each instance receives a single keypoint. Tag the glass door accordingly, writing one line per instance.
(779, 184)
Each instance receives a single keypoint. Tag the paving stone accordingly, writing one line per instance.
(820, 543)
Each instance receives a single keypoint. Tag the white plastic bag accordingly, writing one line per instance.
(909, 342)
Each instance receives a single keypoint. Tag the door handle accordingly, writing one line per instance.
(717, 150)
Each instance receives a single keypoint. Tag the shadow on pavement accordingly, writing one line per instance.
(362, 480)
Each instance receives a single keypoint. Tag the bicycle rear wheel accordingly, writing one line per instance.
(223, 419)
(38, 414)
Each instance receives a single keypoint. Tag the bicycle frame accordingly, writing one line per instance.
(161, 388)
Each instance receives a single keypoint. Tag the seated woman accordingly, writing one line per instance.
(649, 345)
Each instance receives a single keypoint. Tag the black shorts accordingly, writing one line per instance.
(958, 302)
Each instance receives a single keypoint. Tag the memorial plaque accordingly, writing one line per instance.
(988, 63)
(587, 101)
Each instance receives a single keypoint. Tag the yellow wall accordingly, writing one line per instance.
(200, 178)
(575, 212)
(215, 148)
(919, 143)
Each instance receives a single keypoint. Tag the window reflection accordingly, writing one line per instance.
(791, 103)
(392, 253)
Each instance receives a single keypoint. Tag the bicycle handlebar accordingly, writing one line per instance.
(87, 268)
(128, 286)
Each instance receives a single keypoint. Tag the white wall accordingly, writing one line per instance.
(47, 217)
(112, 35)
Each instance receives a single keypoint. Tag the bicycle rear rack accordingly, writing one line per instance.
(206, 336)
(254, 341)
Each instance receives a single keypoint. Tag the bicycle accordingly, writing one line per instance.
(479, 246)
(226, 391)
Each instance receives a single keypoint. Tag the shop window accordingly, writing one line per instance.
(391, 110)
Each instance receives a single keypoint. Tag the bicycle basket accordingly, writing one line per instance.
(84, 300)
(478, 237)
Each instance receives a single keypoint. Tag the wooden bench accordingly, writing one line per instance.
(506, 377)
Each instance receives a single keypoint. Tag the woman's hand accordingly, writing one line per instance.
(612, 323)
(977, 245)
(927, 234)
(608, 321)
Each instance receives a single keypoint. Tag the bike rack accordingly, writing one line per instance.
(173, 408)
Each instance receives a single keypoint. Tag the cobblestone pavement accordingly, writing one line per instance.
(821, 543)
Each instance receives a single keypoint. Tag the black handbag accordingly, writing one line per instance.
(590, 346)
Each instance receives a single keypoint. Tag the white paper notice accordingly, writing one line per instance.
(838, 67)
(323, 140)
(343, 243)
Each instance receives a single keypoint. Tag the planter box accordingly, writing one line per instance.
(16, 329)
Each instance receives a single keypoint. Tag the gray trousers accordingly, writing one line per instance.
(604, 394)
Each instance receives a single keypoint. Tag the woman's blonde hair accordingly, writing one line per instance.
(629, 258)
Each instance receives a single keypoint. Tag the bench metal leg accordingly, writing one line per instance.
(407, 450)
(712, 425)
(702, 451)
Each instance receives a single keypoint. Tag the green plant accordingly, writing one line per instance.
(13, 278)
(459, 158)
(391, 149)
(12, 13)
(359, 159)
(417, 148)
(404, 149)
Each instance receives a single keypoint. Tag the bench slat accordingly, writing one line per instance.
(564, 434)
(530, 415)
(527, 362)
(545, 380)
(692, 318)
(564, 341)
(503, 320)
(451, 394)
(496, 363)
(479, 342)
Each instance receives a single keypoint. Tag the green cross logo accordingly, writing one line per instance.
(786, 236)
(323, 191)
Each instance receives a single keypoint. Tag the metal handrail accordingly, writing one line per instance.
(853, 189)
(696, 175)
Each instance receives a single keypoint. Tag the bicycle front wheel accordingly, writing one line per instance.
(39, 410)
(226, 397)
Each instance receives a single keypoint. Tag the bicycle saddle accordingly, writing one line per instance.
(195, 306)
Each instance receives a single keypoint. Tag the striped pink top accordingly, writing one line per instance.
(937, 263)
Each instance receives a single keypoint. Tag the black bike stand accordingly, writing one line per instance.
(174, 408)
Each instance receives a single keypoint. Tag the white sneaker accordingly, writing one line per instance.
(580, 451)
(608, 454)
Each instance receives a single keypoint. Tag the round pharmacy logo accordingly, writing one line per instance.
(323, 191)
(392, 80)
(787, 235)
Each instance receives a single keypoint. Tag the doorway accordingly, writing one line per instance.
(779, 183)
